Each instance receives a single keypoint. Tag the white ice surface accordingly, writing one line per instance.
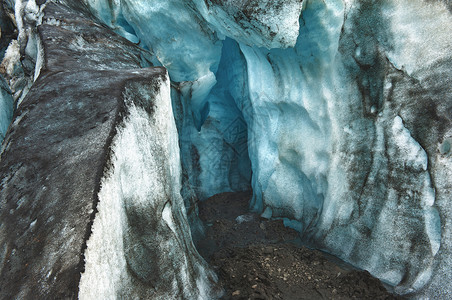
(140, 230)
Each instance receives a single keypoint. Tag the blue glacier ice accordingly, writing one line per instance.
(22, 59)
(216, 155)
(336, 113)
(125, 179)
(330, 102)
(6, 107)
(263, 23)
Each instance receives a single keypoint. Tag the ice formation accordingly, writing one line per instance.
(337, 113)
(141, 245)
(89, 164)
(22, 56)
(6, 107)
(330, 122)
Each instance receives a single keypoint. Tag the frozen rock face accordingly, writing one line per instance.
(90, 176)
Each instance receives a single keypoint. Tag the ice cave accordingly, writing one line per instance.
(123, 121)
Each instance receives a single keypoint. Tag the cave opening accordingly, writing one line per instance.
(293, 129)
(254, 255)
(214, 134)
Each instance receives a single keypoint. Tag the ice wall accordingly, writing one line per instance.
(345, 108)
(215, 158)
(141, 245)
(6, 101)
(390, 167)
(188, 37)
(22, 58)
(6, 107)
(290, 95)
(262, 23)
(333, 140)
(90, 174)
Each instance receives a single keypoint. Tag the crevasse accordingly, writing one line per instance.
(334, 112)
(318, 92)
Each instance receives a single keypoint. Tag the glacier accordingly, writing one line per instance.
(138, 248)
(328, 102)
(6, 107)
(71, 215)
(336, 113)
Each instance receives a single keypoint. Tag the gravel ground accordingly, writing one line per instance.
(256, 258)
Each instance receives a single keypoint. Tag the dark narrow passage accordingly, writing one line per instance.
(255, 258)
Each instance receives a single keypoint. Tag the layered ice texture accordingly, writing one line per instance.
(337, 113)
(340, 107)
(141, 245)
(6, 107)
(90, 175)
(22, 56)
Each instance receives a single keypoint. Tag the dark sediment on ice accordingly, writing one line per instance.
(257, 258)
(55, 153)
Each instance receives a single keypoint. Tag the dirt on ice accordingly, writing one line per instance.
(256, 258)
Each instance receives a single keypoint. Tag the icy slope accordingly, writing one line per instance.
(141, 245)
(90, 176)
